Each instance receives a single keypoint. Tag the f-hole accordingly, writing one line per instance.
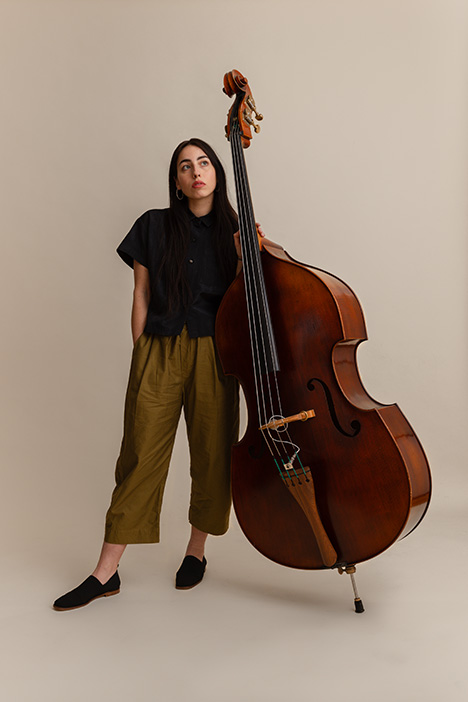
(355, 424)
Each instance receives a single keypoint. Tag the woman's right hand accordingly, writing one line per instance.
(141, 299)
(237, 240)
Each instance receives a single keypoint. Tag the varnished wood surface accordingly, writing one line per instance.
(371, 488)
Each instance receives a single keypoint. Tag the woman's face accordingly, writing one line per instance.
(196, 175)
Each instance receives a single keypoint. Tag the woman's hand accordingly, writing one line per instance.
(237, 240)
(141, 299)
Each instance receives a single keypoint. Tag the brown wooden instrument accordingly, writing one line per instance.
(324, 476)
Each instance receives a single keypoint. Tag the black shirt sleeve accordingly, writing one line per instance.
(135, 244)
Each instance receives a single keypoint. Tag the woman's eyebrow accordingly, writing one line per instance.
(187, 160)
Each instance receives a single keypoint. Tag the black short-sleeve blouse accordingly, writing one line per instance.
(145, 244)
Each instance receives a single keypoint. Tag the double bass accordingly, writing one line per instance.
(325, 476)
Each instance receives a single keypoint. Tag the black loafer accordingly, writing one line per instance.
(190, 573)
(88, 591)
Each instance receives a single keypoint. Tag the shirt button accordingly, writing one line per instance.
(190, 260)
(193, 238)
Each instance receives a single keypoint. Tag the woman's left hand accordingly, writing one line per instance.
(237, 240)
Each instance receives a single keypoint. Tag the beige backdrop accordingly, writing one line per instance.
(360, 169)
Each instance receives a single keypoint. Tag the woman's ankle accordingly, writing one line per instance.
(196, 544)
(104, 573)
(108, 561)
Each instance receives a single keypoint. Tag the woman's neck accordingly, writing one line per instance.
(201, 207)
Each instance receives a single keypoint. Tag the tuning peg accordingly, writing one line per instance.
(251, 103)
(249, 120)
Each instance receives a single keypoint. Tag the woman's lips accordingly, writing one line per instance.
(198, 184)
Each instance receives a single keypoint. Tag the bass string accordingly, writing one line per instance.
(255, 287)
(256, 297)
(253, 241)
(247, 280)
(251, 245)
(250, 252)
(255, 259)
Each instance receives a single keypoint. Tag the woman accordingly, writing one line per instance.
(184, 259)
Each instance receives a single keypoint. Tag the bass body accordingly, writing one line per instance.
(370, 476)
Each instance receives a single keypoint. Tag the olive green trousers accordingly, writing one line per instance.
(166, 374)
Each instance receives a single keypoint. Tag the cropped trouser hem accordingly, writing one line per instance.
(116, 536)
(209, 526)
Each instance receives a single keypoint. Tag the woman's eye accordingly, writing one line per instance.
(205, 163)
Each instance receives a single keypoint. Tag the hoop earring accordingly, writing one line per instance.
(177, 194)
(217, 189)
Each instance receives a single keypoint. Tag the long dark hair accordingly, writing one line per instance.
(177, 227)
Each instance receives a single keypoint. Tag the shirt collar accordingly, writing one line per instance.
(207, 219)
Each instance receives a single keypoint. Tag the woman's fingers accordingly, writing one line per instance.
(259, 230)
(237, 244)
(237, 239)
